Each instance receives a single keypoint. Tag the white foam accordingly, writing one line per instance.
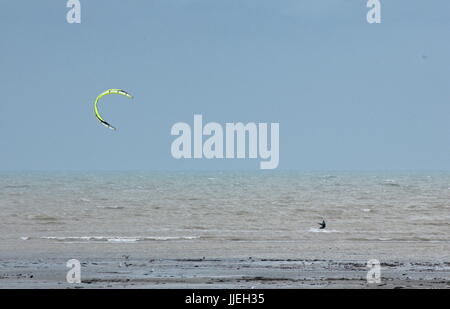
(123, 239)
(317, 230)
(116, 239)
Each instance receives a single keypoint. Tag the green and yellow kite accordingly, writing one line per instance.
(109, 91)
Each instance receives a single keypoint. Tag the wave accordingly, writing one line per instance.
(328, 176)
(390, 182)
(45, 219)
(17, 186)
(317, 230)
(111, 239)
(399, 239)
(110, 207)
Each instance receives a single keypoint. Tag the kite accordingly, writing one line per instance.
(109, 91)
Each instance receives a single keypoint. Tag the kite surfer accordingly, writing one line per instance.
(323, 225)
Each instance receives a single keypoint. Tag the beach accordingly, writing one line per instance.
(204, 273)
(224, 230)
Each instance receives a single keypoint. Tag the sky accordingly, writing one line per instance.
(348, 95)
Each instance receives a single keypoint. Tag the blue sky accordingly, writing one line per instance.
(348, 95)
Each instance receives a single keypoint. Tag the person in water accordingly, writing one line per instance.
(322, 225)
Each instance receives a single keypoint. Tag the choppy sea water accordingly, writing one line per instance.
(261, 209)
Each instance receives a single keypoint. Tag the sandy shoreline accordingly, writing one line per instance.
(129, 272)
(194, 264)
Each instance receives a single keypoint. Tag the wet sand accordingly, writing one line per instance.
(204, 273)
(193, 264)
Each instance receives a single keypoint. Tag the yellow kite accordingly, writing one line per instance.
(109, 91)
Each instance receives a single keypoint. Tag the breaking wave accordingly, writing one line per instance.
(317, 230)
(112, 239)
